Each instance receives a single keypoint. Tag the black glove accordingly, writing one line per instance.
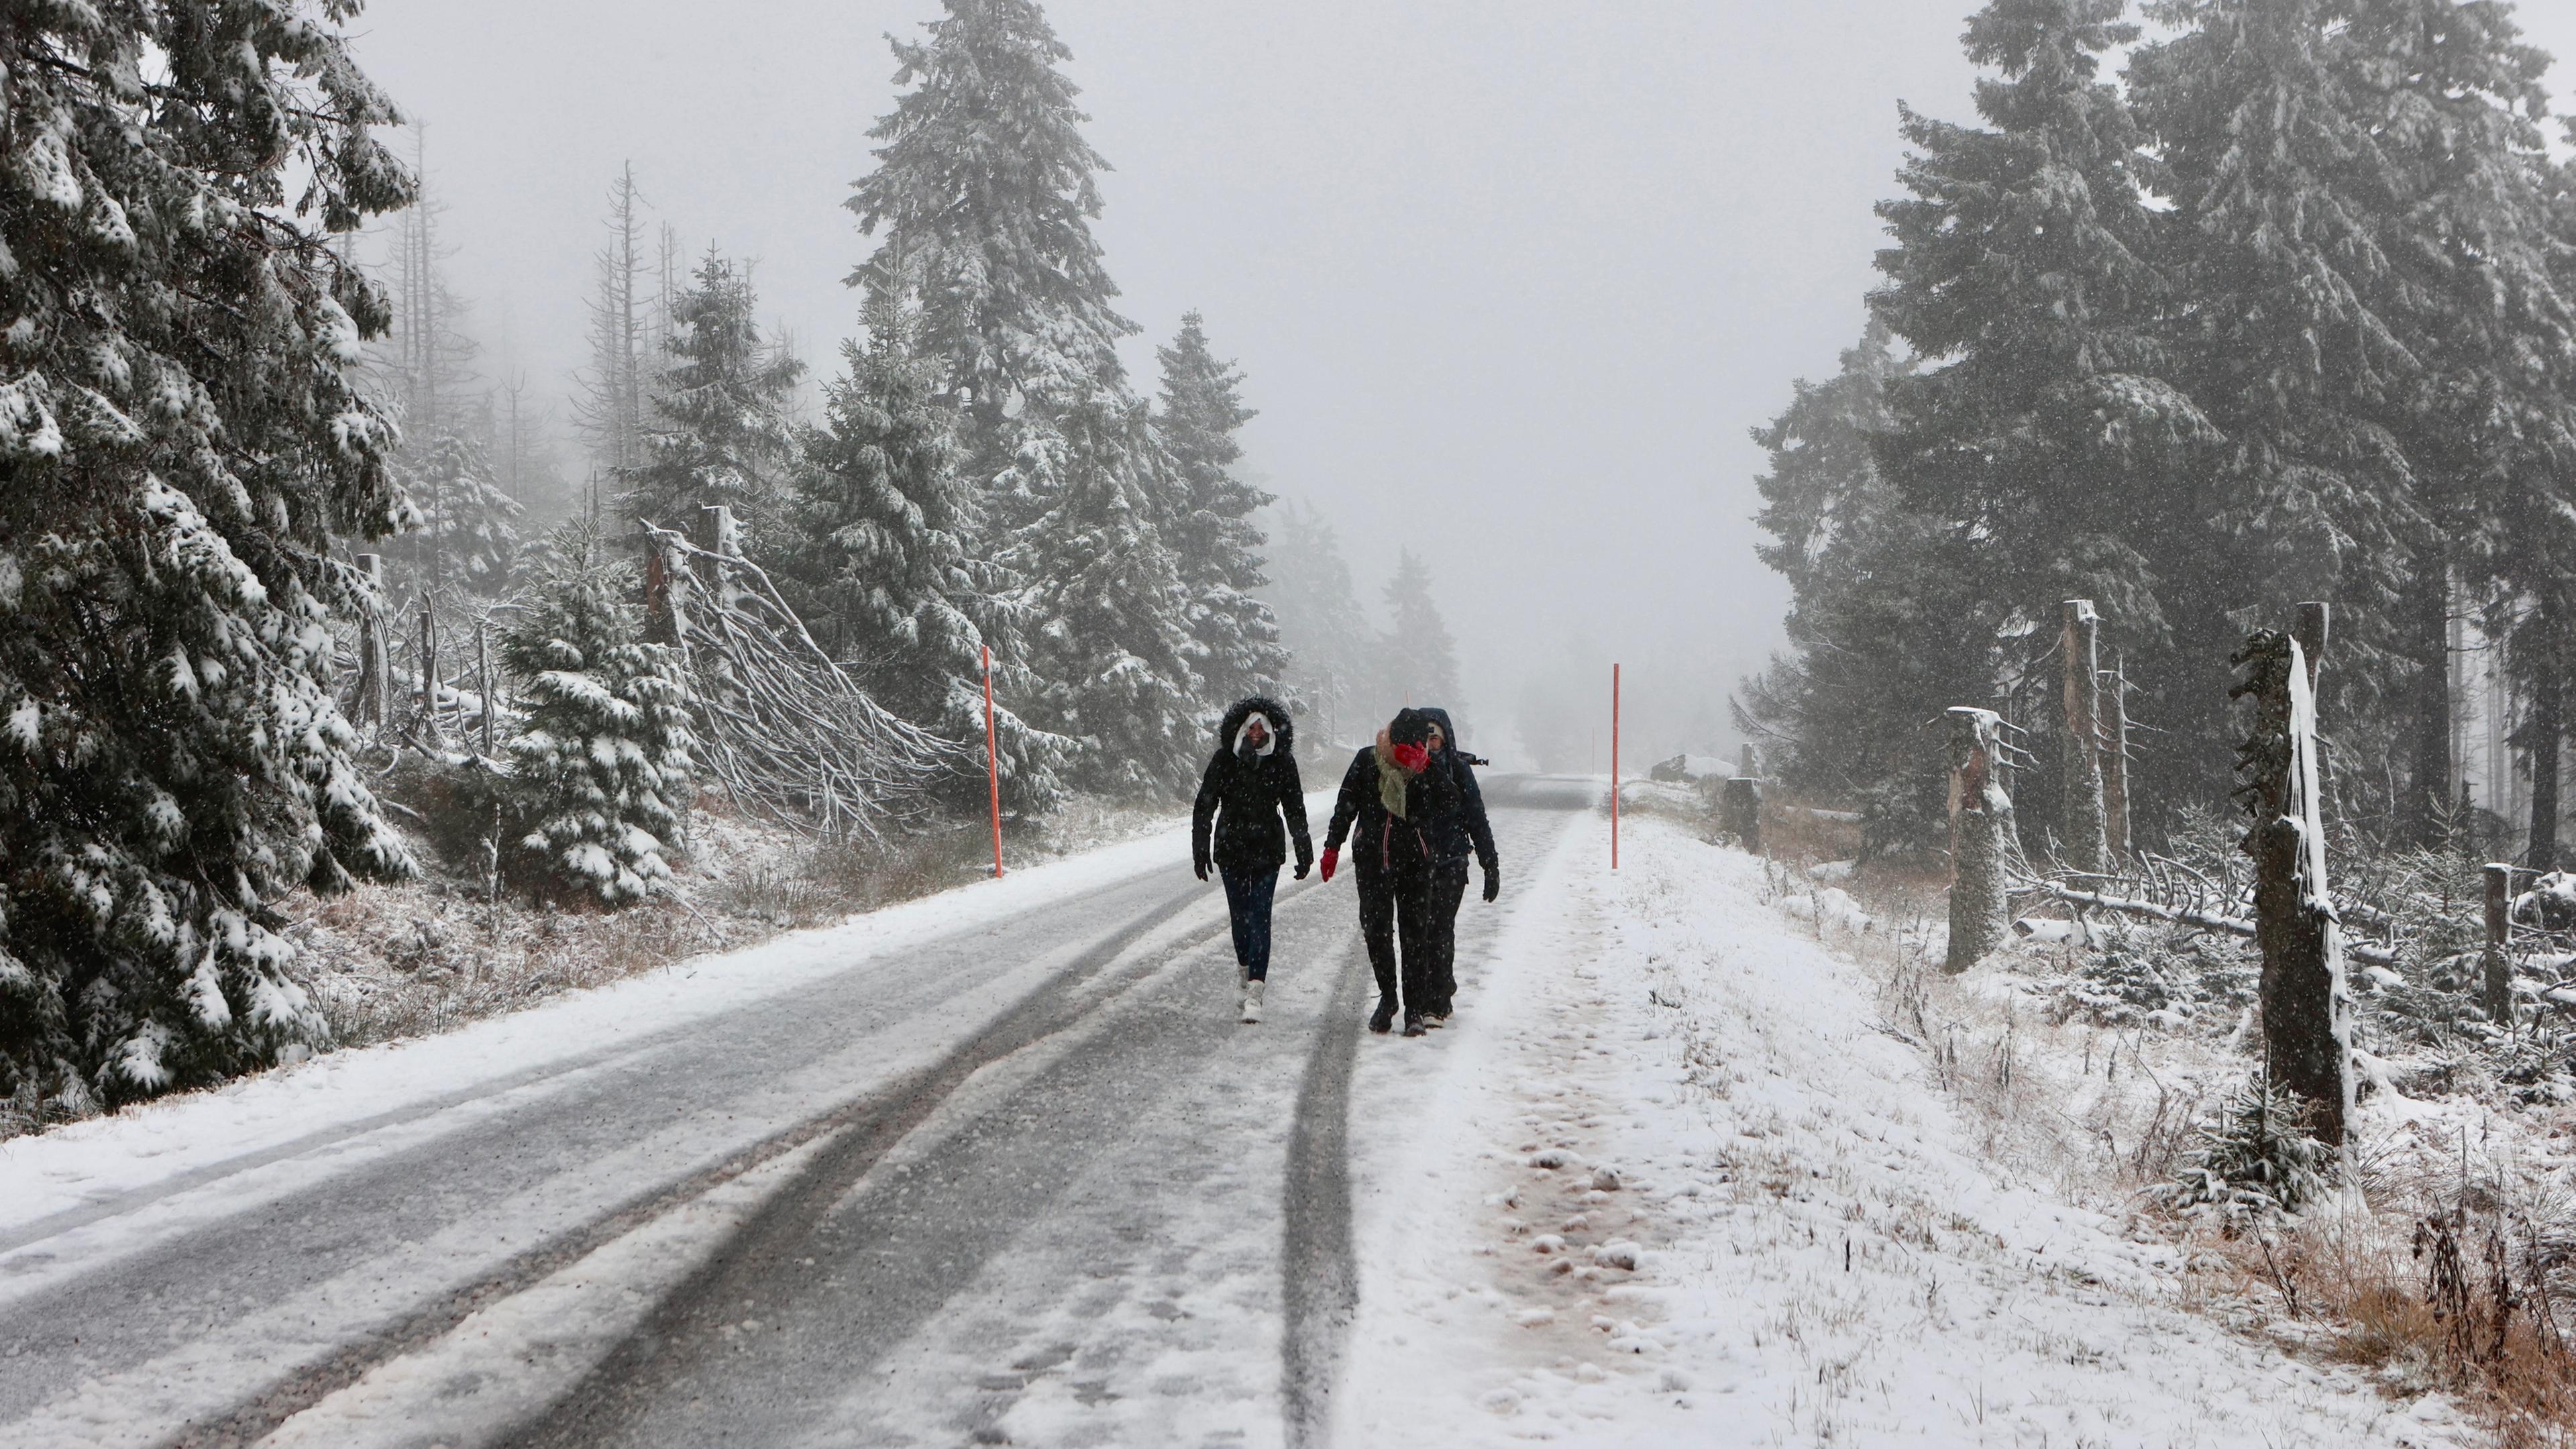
(1304, 866)
(1202, 865)
(1493, 881)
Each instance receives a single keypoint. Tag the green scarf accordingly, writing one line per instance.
(1391, 780)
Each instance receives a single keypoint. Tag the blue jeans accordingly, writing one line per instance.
(1247, 904)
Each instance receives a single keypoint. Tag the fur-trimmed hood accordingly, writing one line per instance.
(1282, 727)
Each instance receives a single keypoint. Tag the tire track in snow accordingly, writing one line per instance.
(1319, 1279)
(605, 1405)
(869, 1125)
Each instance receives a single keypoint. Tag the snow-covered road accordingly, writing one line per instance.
(995, 1167)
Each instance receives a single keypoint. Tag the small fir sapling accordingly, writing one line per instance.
(600, 772)
(2256, 1159)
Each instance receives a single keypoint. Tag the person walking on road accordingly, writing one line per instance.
(1392, 803)
(1250, 788)
(1462, 831)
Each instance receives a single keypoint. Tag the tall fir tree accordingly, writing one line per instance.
(2051, 440)
(1325, 632)
(1214, 534)
(184, 443)
(1420, 658)
(720, 434)
(1888, 620)
(1104, 606)
(2334, 168)
(467, 532)
(982, 202)
(880, 562)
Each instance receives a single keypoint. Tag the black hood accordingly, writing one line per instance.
(1282, 724)
(1448, 731)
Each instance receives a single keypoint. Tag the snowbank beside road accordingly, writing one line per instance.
(1667, 1181)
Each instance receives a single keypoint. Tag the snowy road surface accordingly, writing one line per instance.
(1019, 1176)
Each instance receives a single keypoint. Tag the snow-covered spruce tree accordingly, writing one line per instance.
(2028, 260)
(2351, 220)
(982, 203)
(182, 442)
(719, 433)
(1888, 621)
(600, 770)
(1106, 612)
(467, 534)
(878, 560)
(1215, 539)
(1420, 658)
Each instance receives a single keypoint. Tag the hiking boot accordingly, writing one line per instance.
(1251, 1002)
(1384, 1016)
(1413, 1024)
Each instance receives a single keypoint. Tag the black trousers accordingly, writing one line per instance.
(1397, 910)
(1448, 887)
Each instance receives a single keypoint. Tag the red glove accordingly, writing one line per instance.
(1332, 857)
(1411, 758)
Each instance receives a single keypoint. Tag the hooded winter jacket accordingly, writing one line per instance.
(1466, 827)
(1247, 793)
(1379, 840)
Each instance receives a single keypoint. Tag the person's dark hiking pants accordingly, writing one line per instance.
(1396, 911)
(1447, 888)
(1247, 904)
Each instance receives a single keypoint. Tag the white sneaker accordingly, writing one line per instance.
(1252, 1000)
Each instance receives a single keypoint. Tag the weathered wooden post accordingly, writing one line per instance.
(375, 652)
(1981, 827)
(2307, 1009)
(661, 610)
(2498, 996)
(2087, 842)
(2114, 695)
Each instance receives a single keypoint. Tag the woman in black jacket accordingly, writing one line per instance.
(1396, 804)
(1249, 788)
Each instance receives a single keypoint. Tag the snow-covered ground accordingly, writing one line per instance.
(1661, 1069)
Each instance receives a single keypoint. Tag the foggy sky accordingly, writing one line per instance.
(1510, 279)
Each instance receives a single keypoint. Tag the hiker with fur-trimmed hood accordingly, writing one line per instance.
(1249, 790)
(1394, 804)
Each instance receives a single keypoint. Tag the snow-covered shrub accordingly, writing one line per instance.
(2129, 982)
(2256, 1157)
(601, 771)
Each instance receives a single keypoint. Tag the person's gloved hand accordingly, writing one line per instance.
(1303, 866)
(1332, 857)
(1411, 758)
(1493, 881)
(1202, 864)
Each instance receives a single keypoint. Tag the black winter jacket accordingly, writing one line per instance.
(1466, 827)
(1379, 841)
(1247, 800)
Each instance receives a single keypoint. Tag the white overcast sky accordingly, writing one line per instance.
(1510, 279)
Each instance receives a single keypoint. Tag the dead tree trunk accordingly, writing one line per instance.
(2498, 995)
(2546, 730)
(2430, 808)
(2087, 843)
(2307, 1011)
(2114, 695)
(483, 679)
(375, 703)
(1981, 829)
(429, 726)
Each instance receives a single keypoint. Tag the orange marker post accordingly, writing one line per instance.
(992, 763)
(1614, 767)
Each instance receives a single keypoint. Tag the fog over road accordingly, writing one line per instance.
(787, 1224)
